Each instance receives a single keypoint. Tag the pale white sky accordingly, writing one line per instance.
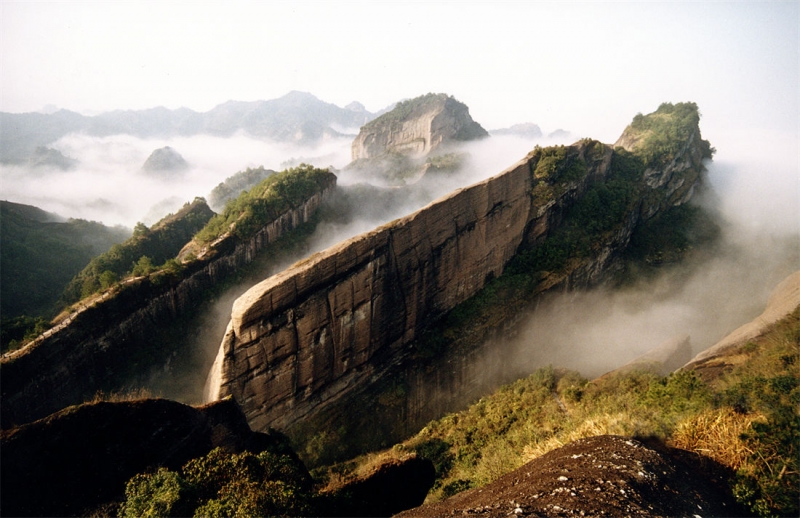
(585, 66)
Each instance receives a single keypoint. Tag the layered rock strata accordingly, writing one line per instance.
(333, 325)
(118, 336)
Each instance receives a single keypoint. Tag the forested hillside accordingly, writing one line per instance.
(40, 253)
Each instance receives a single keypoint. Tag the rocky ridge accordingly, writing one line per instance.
(112, 339)
(165, 160)
(338, 322)
(783, 300)
(295, 117)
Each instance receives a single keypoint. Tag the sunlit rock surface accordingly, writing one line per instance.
(336, 322)
(416, 127)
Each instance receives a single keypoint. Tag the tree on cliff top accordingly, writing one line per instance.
(407, 109)
(411, 108)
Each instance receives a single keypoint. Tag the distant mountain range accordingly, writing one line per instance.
(295, 117)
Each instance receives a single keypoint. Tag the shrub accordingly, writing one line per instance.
(144, 266)
(155, 495)
(663, 132)
(159, 243)
(222, 484)
(14, 332)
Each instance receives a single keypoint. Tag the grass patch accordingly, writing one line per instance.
(747, 419)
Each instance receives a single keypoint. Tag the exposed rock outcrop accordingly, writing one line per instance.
(662, 359)
(337, 322)
(112, 341)
(416, 127)
(80, 457)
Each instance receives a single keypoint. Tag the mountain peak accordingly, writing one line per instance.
(409, 128)
(165, 159)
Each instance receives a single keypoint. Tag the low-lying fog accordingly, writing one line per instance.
(108, 184)
(754, 190)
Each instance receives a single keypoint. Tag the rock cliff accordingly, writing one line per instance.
(416, 127)
(332, 326)
(783, 301)
(112, 342)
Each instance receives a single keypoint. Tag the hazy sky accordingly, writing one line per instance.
(585, 66)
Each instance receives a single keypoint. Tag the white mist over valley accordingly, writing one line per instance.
(509, 63)
(108, 184)
(753, 191)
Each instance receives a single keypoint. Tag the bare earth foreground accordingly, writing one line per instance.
(605, 475)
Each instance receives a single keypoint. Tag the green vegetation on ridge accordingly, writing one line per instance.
(406, 109)
(609, 210)
(220, 484)
(39, 255)
(233, 186)
(659, 136)
(604, 209)
(140, 254)
(278, 193)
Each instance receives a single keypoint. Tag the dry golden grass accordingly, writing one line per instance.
(716, 434)
(619, 423)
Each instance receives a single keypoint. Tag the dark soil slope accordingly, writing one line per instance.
(81, 457)
(598, 476)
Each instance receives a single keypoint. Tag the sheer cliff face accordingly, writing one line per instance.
(335, 323)
(314, 330)
(416, 127)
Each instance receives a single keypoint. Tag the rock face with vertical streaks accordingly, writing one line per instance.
(337, 322)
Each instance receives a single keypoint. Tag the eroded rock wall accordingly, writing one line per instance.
(323, 331)
(309, 335)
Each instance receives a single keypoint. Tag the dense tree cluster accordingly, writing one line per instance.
(223, 484)
(663, 132)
